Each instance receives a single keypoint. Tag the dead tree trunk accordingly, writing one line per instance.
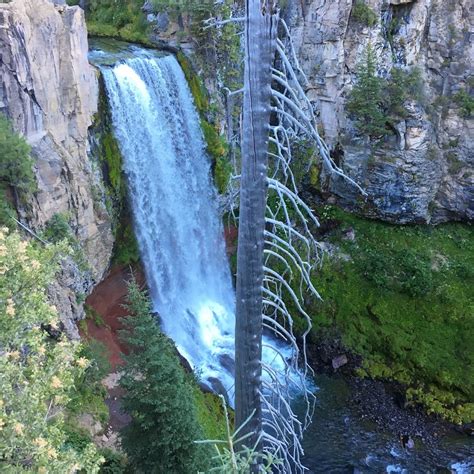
(260, 47)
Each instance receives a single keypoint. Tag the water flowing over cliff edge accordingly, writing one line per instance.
(174, 205)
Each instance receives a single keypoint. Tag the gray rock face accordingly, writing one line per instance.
(424, 173)
(49, 90)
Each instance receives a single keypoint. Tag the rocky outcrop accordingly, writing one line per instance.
(49, 90)
(424, 171)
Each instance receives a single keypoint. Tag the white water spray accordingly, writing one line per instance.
(175, 213)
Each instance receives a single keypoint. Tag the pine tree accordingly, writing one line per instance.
(164, 426)
(366, 99)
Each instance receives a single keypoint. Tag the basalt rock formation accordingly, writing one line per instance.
(49, 91)
(423, 171)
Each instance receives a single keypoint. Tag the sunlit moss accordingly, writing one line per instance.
(198, 90)
(403, 300)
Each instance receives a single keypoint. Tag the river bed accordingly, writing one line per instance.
(338, 441)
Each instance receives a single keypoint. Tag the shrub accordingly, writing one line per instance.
(465, 101)
(58, 229)
(38, 373)
(16, 165)
(362, 13)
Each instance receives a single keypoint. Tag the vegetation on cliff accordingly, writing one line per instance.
(16, 171)
(39, 365)
(123, 19)
(375, 103)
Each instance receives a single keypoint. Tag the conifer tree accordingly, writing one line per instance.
(366, 100)
(164, 426)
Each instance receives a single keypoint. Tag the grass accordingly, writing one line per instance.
(404, 302)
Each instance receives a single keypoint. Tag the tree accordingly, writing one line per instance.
(37, 373)
(366, 100)
(164, 426)
(16, 169)
(275, 244)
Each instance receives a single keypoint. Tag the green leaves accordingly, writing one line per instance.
(37, 373)
(16, 165)
(366, 99)
(375, 103)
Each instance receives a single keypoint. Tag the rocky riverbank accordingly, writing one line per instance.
(381, 402)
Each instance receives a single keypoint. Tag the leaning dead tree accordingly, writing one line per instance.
(277, 252)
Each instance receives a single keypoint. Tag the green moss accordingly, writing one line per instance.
(404, 302)
(218, 150)
(222, 174)
(108, 154)
(126, 249)
(195, 84)
(210, 414)
(113, 161)
(216, 144)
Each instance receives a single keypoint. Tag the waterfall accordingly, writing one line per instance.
(175, 212)
(174, 204)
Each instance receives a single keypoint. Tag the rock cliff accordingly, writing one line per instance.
(423, 172)
(50, 91)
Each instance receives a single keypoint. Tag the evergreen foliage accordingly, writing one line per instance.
(402, 86)
(16, 165)
(367, 99)
(362, 13)
(16, 169)
(38, 373)
(376, 103)
(159, 398)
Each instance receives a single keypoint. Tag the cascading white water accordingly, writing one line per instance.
(174, 205)
(175, 212)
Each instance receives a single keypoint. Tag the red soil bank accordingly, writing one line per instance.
(108, 299)
(230, 235)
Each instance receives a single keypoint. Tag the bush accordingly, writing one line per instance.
(89, 394)
(38, 373)
(465, 101)
(362, 13)
(16, 164)
(58, 229)
(118, 18)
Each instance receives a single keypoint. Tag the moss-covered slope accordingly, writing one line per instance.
(402, 297)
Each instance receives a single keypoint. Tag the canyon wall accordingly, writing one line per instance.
(50, 92)
(423, 170)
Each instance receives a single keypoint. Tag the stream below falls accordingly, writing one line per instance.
(339, 442)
